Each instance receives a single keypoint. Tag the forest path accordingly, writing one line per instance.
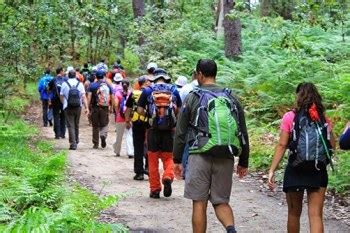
(101, 171)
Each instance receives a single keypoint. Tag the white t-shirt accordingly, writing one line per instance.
(185, 90)
(65, 90)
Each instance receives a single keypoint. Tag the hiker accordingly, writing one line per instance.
(45, 95)
(160, 103)
(307, 133)
(139, 124)
(214, 142)
(121, 96)
(184, 91)
(180, 82)
(344, 140)
(80, 77)
(100, 98)
(117, 83)
(73, 96)
(59, 119)
(102, 65)
(150, 69)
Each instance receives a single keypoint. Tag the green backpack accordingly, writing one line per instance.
(216, 125)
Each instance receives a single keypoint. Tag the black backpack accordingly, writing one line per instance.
(309, 142)
(73, 100)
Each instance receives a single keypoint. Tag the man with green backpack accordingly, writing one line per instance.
(212, 122)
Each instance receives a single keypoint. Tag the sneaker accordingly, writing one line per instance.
(63, 137)
(103, 142)
(167, 188)
(154, 194)
(117, 155)
(130, 156)
(95, 146)
(73, 147)
(139, 177)
(57, 137)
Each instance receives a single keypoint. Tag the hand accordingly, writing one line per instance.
(87, 112)
(128, 124)
(271, 180)
(178, 170)
(241, 171)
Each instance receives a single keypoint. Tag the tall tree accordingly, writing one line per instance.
(138, 7)
(232, 28)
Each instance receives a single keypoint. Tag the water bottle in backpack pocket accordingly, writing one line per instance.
(216, 125)
(309, 143)
(74, 98)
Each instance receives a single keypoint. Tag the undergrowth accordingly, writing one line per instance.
(34, 194)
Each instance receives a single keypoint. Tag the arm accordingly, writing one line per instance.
(344, 141)
(279, 152)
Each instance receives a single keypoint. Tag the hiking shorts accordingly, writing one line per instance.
(209, 178)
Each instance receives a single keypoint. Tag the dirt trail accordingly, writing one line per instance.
(101, 171)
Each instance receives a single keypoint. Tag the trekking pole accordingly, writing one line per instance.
(325, 146)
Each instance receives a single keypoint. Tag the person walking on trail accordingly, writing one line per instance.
(160, 103)
(59, 119)
(73, 96)
(100, 98)
(45, 95)
(307, 133)
(213, 123)
(180, 82)
(121, 96)
(139, 124)
(184, 91)
(344, 140)
(150, 69)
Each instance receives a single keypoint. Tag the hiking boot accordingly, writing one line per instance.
(130, 156)
(139, 177)
(117, 155)
(63, 137)
(103, 142)
(73, 147)
(57, 137)
(167, 188)
(154, 194)
(95, 146)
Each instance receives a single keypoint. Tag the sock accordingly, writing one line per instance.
(231, 229)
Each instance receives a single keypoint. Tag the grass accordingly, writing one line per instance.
(34, 194)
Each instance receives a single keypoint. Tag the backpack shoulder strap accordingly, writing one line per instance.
(68, 84)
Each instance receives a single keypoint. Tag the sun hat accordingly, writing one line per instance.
(181, 81)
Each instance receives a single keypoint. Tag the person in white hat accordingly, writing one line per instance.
(180, 82)
(150, 69)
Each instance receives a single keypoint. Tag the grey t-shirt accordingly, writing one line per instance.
(65, 90)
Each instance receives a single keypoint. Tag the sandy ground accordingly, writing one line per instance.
(100, 170)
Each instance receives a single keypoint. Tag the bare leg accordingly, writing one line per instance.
(295, 206)
(315, 210)
(224, 214)
(199, 216)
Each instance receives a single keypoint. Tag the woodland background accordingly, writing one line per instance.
(263, 50)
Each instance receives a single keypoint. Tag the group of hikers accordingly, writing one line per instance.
(196, 129)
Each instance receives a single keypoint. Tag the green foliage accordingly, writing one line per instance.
(339, 180)
(131, 62)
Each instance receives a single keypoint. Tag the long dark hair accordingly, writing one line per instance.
(307, 94)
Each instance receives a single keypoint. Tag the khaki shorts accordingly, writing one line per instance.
(209, 178)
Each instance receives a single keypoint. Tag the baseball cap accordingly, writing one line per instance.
(159, 73)
(100, 74)
(152, 65)
(181, 81)
(117, 77)
(69, 68)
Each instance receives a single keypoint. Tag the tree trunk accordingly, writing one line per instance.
(220, 18)
(138, 7)
(265, 8)
(232, 28)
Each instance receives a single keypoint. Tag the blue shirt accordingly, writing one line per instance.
(43, 87)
